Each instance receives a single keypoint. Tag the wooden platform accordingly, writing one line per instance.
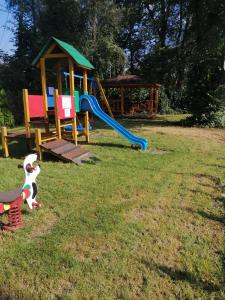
(67, 151)
(18, 135)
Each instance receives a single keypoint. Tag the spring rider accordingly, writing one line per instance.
(11, 201)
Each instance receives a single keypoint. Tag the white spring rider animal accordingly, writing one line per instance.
(11, 201)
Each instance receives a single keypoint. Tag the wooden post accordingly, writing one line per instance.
(91, 88)
(26, 113)
(156, 99)
(59, 77)
(150, 104)
(95, 92)
(74, 130)
(38, 142)
(57, 120)
(72, 89)
(5, 143)
(86, 122)
(43, 83)
(71, 71)
(85, 89)
(122, 100)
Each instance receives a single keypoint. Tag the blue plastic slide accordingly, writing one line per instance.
(90, 103)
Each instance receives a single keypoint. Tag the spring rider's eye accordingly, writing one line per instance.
(29, 168)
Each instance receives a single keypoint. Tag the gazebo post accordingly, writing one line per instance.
(156, 99)
(122, 100)
(150, 107)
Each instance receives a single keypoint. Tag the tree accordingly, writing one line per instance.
(207, 52)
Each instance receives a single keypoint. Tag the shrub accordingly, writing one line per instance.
(6, 116)
(164, 103)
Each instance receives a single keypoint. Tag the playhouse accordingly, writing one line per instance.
(60, 114)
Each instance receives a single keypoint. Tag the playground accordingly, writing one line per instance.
(130, 225)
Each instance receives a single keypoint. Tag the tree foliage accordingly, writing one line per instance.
(177, 43)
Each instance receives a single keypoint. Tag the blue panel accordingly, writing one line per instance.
(51, 103)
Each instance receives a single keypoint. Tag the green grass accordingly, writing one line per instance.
(132, 225)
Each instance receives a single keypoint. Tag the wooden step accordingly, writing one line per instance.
(54, 144)
(76, 152)
(64, 148)
(67, 151)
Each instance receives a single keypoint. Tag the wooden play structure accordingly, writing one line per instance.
(52, 118)
(62, 103)
(122, 105)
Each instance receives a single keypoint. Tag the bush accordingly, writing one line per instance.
(6, 118)
(164, 103)
(217, 119)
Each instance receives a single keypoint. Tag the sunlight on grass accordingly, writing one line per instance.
(133, 225)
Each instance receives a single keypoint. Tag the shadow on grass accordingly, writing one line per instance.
(7, 295)
(179, 275)
(206, 215)
(215, 165)
(18, 149)
(110, 145)
(211, 216)
(91, 161)
(132, 123)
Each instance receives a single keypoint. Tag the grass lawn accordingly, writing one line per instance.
(132, 225)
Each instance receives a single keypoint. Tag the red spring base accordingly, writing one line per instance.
(14, 218)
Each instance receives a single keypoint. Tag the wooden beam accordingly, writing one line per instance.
(59, 77)
(129, 85)
(71, 71)
(50, 49)
(43, 83)
(56, 55)
(83, 67)
(104, 97)
(85, 89)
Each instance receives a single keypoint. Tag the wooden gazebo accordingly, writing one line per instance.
(124, 82)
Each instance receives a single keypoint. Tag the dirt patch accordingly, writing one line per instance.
(90, 249)
(159, 152)
(44, 227)
(217, 135)
(138, 214)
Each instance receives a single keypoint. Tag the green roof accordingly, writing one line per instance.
(69, 49)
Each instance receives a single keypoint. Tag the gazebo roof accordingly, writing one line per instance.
(126, 81)
(79, 59)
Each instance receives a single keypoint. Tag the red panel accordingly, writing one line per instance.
(65, 105)
(36, 106)
(1, 208)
